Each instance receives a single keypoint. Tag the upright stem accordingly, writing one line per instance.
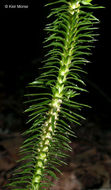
(50, 125)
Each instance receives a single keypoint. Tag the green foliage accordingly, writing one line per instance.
(53, 103)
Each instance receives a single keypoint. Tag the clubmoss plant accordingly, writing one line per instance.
(53, 103)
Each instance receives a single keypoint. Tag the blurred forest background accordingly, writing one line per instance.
(21, 37)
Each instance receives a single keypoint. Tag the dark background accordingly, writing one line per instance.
(21, 37)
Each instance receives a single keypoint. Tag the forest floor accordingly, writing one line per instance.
(89, 164)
